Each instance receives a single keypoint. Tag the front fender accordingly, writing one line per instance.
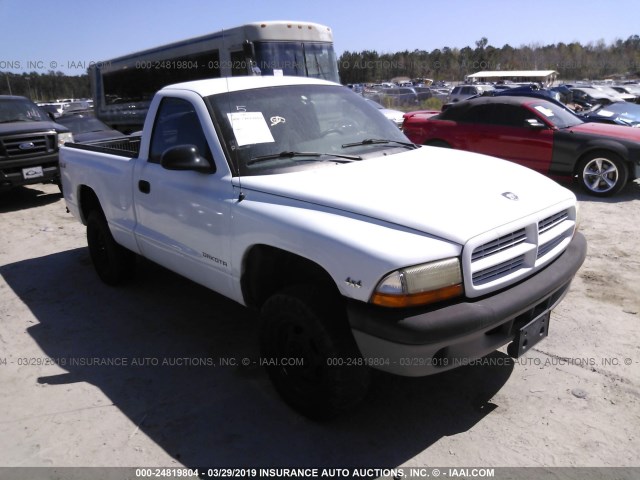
(570, 147)
(356, 251)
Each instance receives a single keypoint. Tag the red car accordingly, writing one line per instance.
(538, 134)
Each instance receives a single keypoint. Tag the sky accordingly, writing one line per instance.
(66, 35)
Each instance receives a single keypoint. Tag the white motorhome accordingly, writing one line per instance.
(123, 87)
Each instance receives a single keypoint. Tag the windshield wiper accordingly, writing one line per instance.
(300, 154)
(379, 141)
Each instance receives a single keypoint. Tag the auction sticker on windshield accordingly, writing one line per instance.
(547, 112)
(250, 128)
(605, 113)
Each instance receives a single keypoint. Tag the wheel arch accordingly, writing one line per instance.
(88, 201)
(604, 147)
(622, 170)
(267, 270)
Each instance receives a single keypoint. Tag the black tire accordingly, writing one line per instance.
(602, 173)
(308, 323)
(437, 143)
(113, 263)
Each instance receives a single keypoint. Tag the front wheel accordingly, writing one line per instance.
(310, 353)
(114, 264)
(602, 174)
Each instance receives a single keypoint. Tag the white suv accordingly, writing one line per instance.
(462, 92)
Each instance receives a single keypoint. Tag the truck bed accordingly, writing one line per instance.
(125, 147)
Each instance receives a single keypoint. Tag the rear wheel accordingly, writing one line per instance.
(114, 264)
(310, 353)
(602, 173)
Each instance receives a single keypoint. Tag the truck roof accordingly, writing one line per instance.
(215, 86)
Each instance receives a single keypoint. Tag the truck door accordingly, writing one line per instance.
(183, 216)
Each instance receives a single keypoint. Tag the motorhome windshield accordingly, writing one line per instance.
(316, 60)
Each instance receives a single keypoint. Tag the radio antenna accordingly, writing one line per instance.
(234, 147)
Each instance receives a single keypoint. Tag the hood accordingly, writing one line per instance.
(607, 130)
(30, 127)
(448, 193)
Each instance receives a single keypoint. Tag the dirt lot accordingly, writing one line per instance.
(573, 401)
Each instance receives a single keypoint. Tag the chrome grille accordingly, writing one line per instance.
(502, 243)
(31, 144)
(550, 222)
(505, 268)
(547, 247)
(532, 243)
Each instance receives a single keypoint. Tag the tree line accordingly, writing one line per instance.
(573, 61)
(45, 86)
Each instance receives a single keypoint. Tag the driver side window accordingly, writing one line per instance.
(176, 124)
(510, 115)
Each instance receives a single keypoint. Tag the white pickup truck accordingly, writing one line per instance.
(297, 198)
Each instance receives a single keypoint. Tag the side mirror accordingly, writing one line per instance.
(534, 124)
(185, 157)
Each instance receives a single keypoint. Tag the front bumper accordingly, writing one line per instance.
(422, 341)
(11, 171)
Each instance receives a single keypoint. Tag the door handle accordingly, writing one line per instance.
(144, 186)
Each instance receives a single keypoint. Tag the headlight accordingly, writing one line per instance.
(420, 285)
(64, 138)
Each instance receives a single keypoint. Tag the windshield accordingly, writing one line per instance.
(83, 124)
(624, 112)
(555, 115)
(20, 110)
(633, 89)
(316, 60)
(276, 129)
(608, 90)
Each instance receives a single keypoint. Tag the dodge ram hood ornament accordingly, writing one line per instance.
(510, 196)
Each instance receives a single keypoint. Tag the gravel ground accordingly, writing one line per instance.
(172, 396)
